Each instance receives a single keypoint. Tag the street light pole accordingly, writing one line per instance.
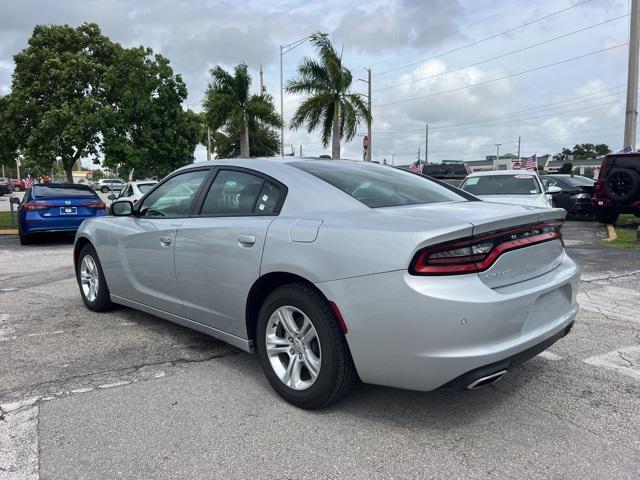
(283, 50)
(369, 147)
(631, 114)
(497, 155)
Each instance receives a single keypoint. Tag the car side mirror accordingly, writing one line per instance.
(111, 196)
(15, 200)
(553, 190)
(122, 208)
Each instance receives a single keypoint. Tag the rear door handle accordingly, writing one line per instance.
(246, 240)
(166, 241)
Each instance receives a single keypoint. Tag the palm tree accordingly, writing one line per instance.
(329, 103)
(229, 104)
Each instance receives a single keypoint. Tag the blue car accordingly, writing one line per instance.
(56, 207)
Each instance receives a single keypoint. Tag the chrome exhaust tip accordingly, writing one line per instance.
(488, 380)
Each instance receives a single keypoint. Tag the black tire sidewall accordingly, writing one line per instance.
(103, 300)
(296, 296)
(633, 190)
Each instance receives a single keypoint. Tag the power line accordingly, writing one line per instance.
(477, 42)
(512, 52)
(504, 77)
(564, 103)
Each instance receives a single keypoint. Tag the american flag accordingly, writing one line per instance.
(532, 163)
(415, 167)
(28, 182)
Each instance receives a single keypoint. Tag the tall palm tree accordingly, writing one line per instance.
(330, 104)
(228, 104)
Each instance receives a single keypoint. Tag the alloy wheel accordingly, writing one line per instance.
(293, 348)
(89, 278)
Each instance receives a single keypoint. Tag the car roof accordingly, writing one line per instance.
(63, 185)
(142, 182)
(502, 172)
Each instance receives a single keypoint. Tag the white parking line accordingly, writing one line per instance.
(550, 356)
(624, 360)
(19, 445)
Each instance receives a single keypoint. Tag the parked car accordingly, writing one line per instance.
(134, 191)
(617, 189)
(56, 207)
(576, 192)
(335, 270)
(18, 185)
(107, 184)
(5, 186)
(451, 173)
(516, 187)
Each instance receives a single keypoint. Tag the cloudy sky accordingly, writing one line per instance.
(479, 72)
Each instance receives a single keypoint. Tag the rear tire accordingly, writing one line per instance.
(336, 374)
(104, 189)
(93, 286)
(606, 217)
(24, 238)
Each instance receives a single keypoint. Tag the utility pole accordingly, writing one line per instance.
(393, 159)
(426, 144)
(18, 167)
(419, 155)
(631, 114)
(519, 138)
(261, 80)
(497, 155)
(367, 156)
(208, 143)
(300, 150)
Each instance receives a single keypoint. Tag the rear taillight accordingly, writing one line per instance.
(599, 186)
(34, 207)
(479, 252)
(97, 204)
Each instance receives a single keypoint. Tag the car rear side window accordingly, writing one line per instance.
(44, 191)
(379, 186)
(521, 184)
(239, 193)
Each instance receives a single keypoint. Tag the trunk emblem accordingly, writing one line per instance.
(67, 202)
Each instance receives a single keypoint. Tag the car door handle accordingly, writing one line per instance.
(166, 241)
(246, 240)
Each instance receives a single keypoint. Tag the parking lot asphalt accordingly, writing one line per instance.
(127, 395)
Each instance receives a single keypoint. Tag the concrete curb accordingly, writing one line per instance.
(8, 231)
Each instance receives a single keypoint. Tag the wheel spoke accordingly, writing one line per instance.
(312, 363)
(287, 321)
(292, 375)
(309, 335)
(276, 345)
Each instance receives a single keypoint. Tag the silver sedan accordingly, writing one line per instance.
(334, 271)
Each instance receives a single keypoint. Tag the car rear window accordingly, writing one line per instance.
(43, 191)
(379, 186)
(579, 181)
(522, 184)
(145, 187)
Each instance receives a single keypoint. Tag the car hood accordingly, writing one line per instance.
(539, 200)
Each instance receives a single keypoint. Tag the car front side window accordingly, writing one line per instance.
(173, 198)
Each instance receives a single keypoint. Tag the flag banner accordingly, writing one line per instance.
(532, 163)
(415, 167)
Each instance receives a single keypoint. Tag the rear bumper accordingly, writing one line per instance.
(42, 225)
(421, 333)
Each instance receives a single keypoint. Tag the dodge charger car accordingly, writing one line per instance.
(334, 271)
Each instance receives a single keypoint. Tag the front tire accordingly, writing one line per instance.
(104, 189)
(93, 286)
(303, 352)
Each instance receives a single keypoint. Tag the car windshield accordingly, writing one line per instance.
(379, 186)
(43, 191)
(520, 184)
(145, 187)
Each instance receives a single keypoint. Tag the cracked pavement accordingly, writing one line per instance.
(127, 395)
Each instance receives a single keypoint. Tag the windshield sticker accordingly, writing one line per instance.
(533, 191)
(261, 206)
(524, 176)
(472, 180)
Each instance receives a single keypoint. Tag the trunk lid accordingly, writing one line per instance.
(512, 266)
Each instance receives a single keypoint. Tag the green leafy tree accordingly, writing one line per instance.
(228, 105)
(146, 128)
(57, 94)
(566, 168)
(8, 135)
(263, 142)
(330, 104)
(583, 151)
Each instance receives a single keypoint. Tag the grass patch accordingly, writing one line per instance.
(626, 239)
(5, 220)
(628, 220)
